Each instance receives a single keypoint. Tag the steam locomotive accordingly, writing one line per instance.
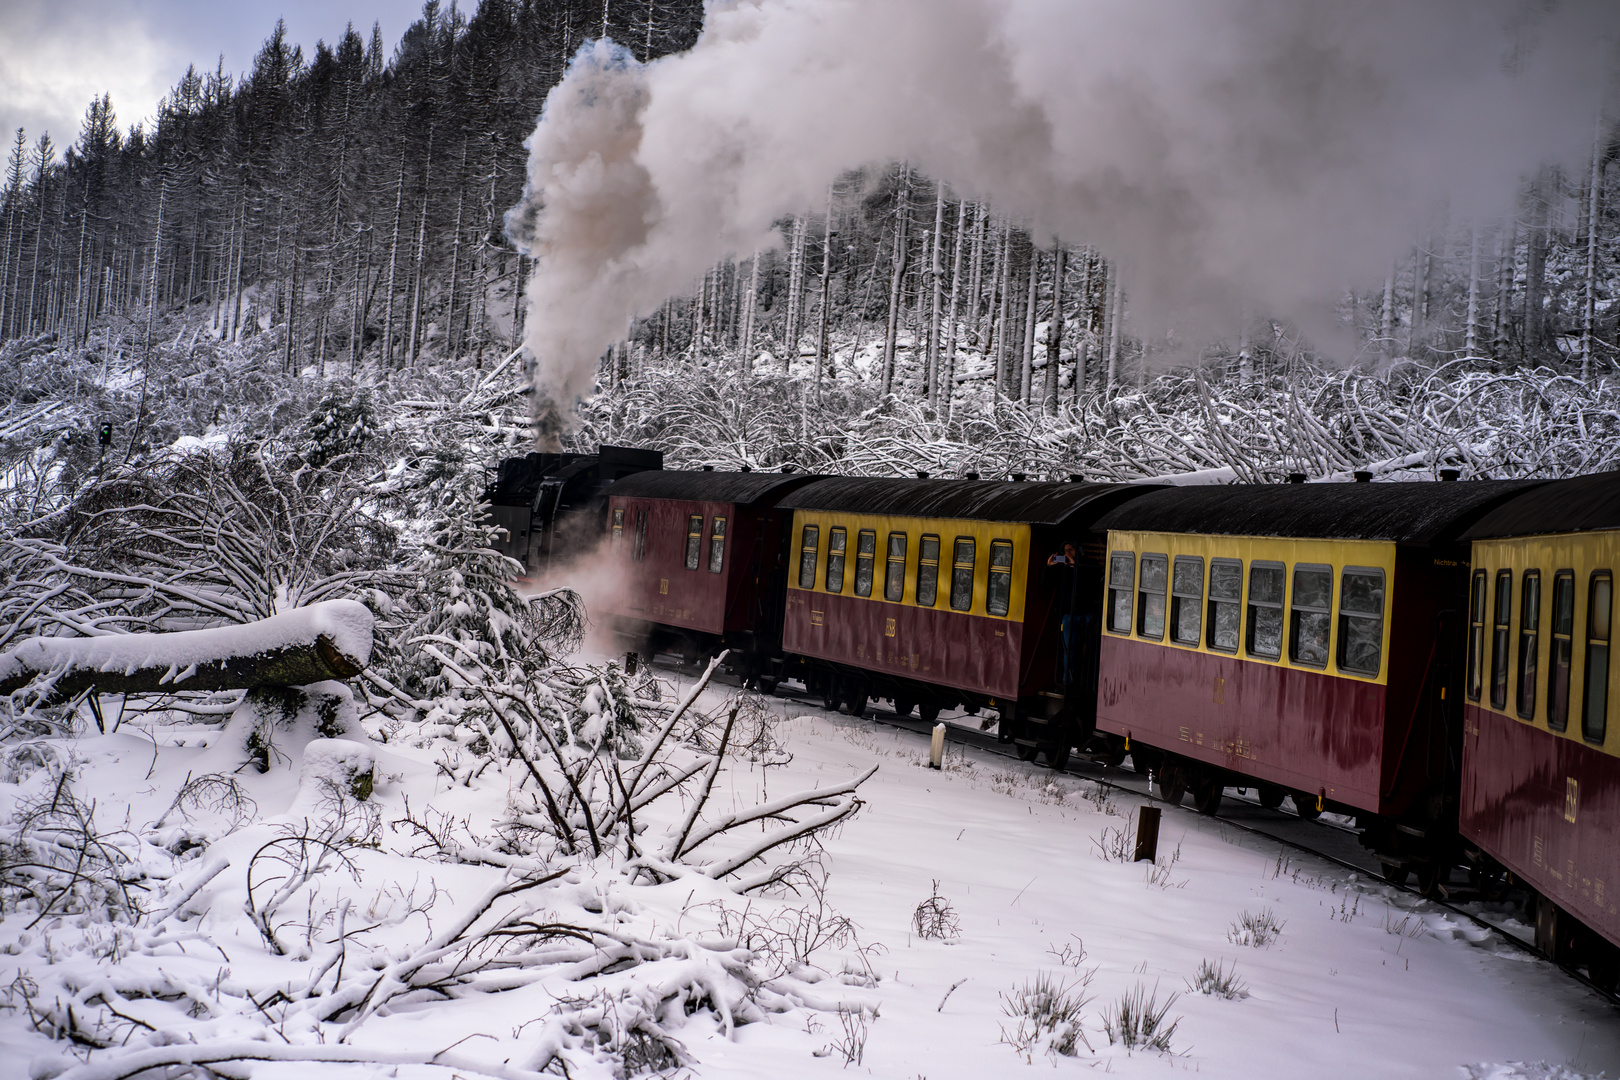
(1429, 658)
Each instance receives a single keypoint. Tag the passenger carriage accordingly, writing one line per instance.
(1541, 779)
(937, 594)
(700, 554)
(1301, 639)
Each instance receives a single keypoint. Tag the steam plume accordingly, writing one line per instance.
(1222, 151)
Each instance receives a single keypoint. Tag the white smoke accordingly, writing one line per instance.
(1223, 152)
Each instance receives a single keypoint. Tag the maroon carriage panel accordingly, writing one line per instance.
(975, 653)
(1300, 730)
(1548, 809)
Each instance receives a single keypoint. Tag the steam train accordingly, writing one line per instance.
(1429, 658)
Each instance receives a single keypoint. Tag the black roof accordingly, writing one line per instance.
(1037, 503)
(726, 487)
(1417, 512)
(1560, 506)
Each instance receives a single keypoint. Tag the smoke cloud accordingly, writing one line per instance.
(1222, 152)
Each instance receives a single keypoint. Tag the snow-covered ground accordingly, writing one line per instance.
(1359, 981)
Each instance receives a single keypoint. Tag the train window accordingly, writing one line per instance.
(618, 529)
(1529, 641)
(962, 567)
(809, 547)
(928, 571)
(998, 596)
(1595, 702)
(1266, 581)
(1121, 588)
(717, 545)
(694, 540)
(1563, 648)
(894, 568)
(836, 540)
(1476, 636)
(639, 552)
(1150, 597)
(1310, 615)
(1187, 599)
(1361, 619)
(865, 556)
(1225, 604)
(1499, 638)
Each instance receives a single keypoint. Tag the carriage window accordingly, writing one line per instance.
(1150, 597)
(835, 560)
(1529, 641)
(1476, 636)
(1563, 648)
(1310, 616)
(1595, 702)
(639, 552)
(1499, 638)
(809, 545)
(1121, 585)
(928, 571)
(1225, 604)
(998, 597)
(865, 556)
(1266, 609)
(618, 529)
(1361, 619)
(1187, 599)
(694, 540)
(962, 564)
(894, 569)
(717, 545)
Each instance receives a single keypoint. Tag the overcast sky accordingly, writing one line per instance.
(55, 55)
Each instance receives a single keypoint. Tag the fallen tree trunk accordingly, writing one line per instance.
(330, 640)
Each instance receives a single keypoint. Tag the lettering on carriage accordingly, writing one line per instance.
(663, 586)
(1198, 737)
(1239, 748)
(1220, 690)
(888, 628)
(1571, 798)
(860, 649)
(1535, 850)
(1185, 733)
(817, 617)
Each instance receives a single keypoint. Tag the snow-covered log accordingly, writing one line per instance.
(330, 640)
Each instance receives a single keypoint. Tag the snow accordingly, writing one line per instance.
(345, 623)
(1362, 981)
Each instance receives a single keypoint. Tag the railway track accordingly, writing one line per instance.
(1325, 839)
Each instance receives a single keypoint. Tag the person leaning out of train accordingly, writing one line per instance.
(1058, 580)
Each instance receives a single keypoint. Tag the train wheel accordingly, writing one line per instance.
(1305, 806)
(1027, 751)
(1170, 782)
(903, 707)
(767, 685)
(1602, 963)
(929, 712)
(857, 701)
(1057, 756)
(1207, 795)
(1271, 796)
(1432, 877)
(1394, 873)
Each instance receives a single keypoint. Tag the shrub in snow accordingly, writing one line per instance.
(935, 919)
(1137, 1022)
(1045, 1014)
(339, 426)
(1257, 929)
(1217, 981)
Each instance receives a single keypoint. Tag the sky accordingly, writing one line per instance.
(55, 55)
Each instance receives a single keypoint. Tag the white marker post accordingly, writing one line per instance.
(936, 747)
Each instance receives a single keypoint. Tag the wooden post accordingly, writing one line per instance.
(936, 747)
(1147, 835)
